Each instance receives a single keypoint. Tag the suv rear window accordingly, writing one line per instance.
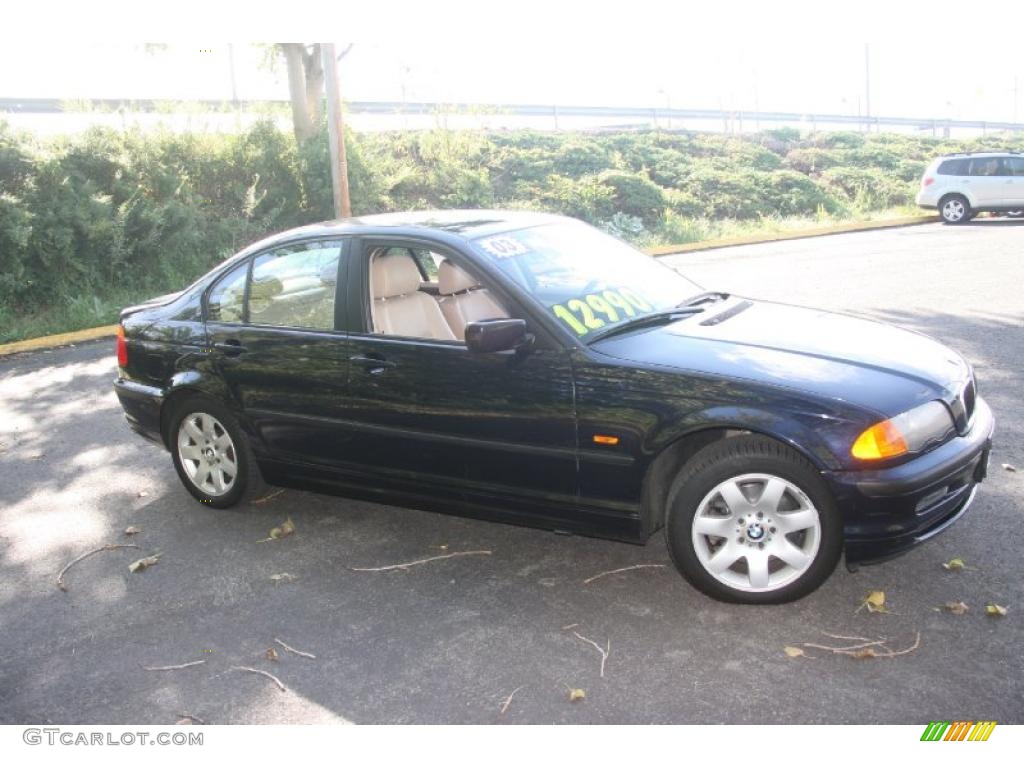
(956, 167)
(986, 166)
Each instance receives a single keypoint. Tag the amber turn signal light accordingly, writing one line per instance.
(881, 441)
(606, 440)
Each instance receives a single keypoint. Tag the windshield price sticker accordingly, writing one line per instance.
(595, 310)
(503, 247)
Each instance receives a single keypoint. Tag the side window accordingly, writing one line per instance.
(227, 299)
(295, 286)
(1004, 167)
(985, 166)
(956, 167)
(1016, 166)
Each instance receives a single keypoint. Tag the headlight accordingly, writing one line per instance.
(907, 433)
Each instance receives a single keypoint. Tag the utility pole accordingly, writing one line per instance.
(336, 132)
(867, 84)
(231, 66)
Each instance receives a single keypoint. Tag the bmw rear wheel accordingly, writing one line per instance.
(749, 520)
(954, 209)
(210, 453)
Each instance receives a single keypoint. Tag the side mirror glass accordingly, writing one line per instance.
(495, 335)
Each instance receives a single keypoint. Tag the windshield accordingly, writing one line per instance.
(588, 280)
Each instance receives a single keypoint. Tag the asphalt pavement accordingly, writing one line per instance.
(448, 641)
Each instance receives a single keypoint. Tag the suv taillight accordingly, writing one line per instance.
(927, 180)
(122, 348)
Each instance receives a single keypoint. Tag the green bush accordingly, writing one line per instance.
(94, 221)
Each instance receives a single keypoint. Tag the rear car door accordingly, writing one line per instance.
(986, 184)
(274, 330)
(427, 412)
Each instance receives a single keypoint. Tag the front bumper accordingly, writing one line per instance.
(141, 404)
(888, 511)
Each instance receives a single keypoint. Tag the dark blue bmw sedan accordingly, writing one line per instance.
(527, 368)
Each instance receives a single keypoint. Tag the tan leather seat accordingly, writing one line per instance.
(463, 300)
(399, 307)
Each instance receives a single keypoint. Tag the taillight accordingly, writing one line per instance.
(122, 348)
(928, 180)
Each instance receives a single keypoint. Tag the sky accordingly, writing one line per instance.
(791, 57)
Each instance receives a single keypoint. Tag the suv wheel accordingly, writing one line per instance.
(955, 209)
(749, 520)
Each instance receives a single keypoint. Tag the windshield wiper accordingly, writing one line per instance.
(655, 318)
(700, 298)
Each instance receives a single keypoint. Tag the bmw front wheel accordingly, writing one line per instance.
(750, 521)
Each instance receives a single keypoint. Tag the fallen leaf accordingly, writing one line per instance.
(956, 564)
(144, 563)
(142, 494)
(268, 497)
(995, 610)
(577, 694)
(184, 721)
(131, 530)
(793, 652)
(1009, 467)
(287, 528)
(874, 602)
(271, 654)
(279, 577)
(959, 607)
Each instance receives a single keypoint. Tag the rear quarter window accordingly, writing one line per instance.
(957, 167)
(226, 303)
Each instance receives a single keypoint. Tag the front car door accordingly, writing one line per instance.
(274, 325)
(431, 417)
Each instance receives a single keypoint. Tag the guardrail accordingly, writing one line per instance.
(553, 111)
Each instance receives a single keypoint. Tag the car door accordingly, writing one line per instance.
(987, 187)
(273, 325)
(428, 412)
(1015, 182)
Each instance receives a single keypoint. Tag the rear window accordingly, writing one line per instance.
(957, 167)
(985, 166)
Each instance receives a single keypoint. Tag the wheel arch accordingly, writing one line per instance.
(184, 385)
(674, 455)
(955, 193)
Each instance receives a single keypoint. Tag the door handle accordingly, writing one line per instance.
(230, 347)
(373, 365)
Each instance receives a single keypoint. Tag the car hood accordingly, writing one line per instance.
(867, 363)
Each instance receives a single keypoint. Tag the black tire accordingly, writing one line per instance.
(247, 483)
(954, 209)
(734, 457)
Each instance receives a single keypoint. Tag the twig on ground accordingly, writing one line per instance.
(404, 566)
(277, 682)
(603, 651)
(104, 548)
(175, 666)
(292, 650)
(621, 570)
(193, 718)
(268, 497)
(505, 704)
(569, 626)
(866, 650)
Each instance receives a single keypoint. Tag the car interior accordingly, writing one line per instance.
(405, 303)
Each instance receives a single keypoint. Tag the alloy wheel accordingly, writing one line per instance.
(953, 210)
(207, 454)
(756, 532)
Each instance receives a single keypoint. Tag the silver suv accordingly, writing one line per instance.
(962, 185)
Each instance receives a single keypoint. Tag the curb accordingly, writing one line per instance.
(57, 340)
(792, 234)
(91, 334)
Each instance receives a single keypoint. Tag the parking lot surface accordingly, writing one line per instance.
(450, 640)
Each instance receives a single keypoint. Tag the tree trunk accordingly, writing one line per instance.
(298, 88)
(314, 85)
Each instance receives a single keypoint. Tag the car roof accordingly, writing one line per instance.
(465, 224)
(988, 153)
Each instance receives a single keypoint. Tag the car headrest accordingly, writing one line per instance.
(394, 275)
(453, 279)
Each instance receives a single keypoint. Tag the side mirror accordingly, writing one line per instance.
(495, 335)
